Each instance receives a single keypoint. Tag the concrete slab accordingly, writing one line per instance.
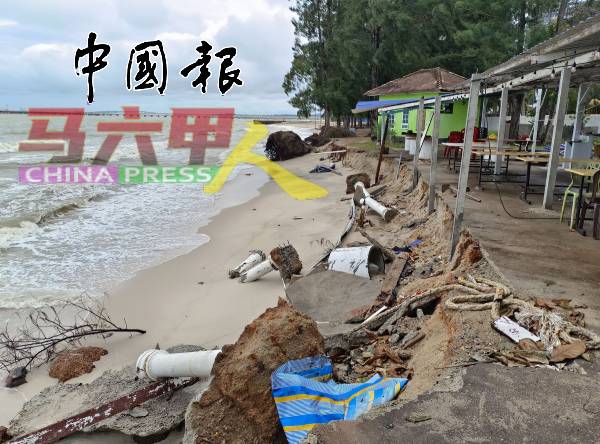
(495, 404)
(329, 296)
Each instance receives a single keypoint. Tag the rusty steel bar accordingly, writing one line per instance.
(76, 423)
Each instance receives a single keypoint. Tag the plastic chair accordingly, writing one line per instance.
(593, 202)
(574, 193)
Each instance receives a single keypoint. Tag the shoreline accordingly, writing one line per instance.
(162, 298)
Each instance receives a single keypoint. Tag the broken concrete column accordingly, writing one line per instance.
(258, 271)
(255, 258)
(364, 198)
(238, 405)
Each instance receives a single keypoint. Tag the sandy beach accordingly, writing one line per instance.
(190, 299)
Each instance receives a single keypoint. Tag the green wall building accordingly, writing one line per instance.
(422, 83)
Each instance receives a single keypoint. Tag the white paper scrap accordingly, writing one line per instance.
(513, 330)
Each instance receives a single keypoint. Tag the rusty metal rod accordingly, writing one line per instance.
(76, 423)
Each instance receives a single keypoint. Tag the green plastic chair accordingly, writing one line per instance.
(573, 191)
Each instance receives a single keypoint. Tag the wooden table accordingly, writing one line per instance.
(519, 142)
(583, 173)
(507, 153)
(458, 146)
(541, 159)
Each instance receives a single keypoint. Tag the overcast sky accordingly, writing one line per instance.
(38, 40)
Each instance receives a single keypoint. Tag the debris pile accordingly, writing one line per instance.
(284, 145)
(316, 140)
(73, 363)
(336, 132)
(238, 405)
(542, 336)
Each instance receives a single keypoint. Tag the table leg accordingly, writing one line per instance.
(506, 170)
(579, 206)
(480, 172)
(527, 178)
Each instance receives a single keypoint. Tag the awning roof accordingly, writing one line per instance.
(370, 105)
(424, 80)
(533, 68)
(414, 103)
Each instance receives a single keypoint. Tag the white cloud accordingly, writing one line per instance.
(6, 23)
(37, 57)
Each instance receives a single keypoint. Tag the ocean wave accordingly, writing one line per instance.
(36, 298)
(12, 236)
(40, 216)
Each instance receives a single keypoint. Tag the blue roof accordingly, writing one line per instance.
(369, 105)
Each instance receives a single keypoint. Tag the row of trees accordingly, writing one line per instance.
(346, 47)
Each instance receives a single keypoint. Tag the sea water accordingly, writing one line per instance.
(60, 241)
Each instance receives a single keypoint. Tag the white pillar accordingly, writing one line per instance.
(559, 121)
(420, 129)
(435, 134)
(578, 123)
(539, 99)
(501, 129)
(463, 177)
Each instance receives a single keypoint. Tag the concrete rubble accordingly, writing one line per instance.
(238, 406)
(149, 423)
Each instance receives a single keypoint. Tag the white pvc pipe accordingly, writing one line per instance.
(255, 258)
(386, 213)
(156, 364)
(257, 271)
(381, 310)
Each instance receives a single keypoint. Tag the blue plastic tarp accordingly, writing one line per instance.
(305, 395)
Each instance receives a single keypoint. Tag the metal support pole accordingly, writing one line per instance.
(463, 177)
(384, 127)
(435, 134)
(539, 100)
(501, 130)
(578, 123)
(559, 121)
(420, 129)
(483, 113)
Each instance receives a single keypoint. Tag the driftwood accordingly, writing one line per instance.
(387, 253)
(417, 337)
(393, 275)
(45, 332)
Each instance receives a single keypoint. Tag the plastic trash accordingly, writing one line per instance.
(408, 248)
(305, 395)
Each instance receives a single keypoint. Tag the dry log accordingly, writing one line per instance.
(393, 275)
(387, 253)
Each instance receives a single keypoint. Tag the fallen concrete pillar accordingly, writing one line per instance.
(156, 364)
(255, 258)
(257, 271)
(365, 199)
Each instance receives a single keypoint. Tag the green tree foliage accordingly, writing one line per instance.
(346, 47)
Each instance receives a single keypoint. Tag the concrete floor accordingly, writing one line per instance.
(493, 404)
(539, 257)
